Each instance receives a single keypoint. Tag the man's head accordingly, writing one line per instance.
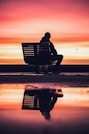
(47, 35)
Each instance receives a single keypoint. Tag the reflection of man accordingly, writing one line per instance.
(43, 100)
(46, 103)
(53, 52)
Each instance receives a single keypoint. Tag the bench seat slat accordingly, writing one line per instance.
(32, 54)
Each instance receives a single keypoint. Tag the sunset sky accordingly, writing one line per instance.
(28, 20)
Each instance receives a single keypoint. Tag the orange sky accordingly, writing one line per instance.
(28, 20)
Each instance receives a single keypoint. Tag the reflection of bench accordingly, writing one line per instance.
(31, 98)
(36, 53)
(30, 101)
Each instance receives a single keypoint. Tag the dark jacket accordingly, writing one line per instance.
(51, 46)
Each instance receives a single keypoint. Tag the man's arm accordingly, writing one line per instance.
(53, 50)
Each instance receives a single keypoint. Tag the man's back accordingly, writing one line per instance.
(53, 51)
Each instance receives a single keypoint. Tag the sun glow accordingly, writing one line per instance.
(10, 51)
(72, 51)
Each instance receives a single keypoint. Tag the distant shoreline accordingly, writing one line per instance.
(31, 68)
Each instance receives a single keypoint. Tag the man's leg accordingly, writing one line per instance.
(59, 59)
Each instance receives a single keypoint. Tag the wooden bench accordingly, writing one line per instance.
(36, 54)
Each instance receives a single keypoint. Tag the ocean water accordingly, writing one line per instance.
(70, 112)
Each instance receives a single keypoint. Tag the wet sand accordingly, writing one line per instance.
(78, 79)
(65, 119)
(70, 114)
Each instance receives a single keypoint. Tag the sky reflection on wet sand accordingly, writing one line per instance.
(70, 113)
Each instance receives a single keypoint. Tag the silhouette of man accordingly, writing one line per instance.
(46, 103)
(53, 53)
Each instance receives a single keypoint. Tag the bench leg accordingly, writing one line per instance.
(37, 69)
(42, 68)
(45, 69)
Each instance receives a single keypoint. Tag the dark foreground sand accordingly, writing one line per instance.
(77, 79)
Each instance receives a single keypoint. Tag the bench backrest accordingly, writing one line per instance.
(36, 53)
